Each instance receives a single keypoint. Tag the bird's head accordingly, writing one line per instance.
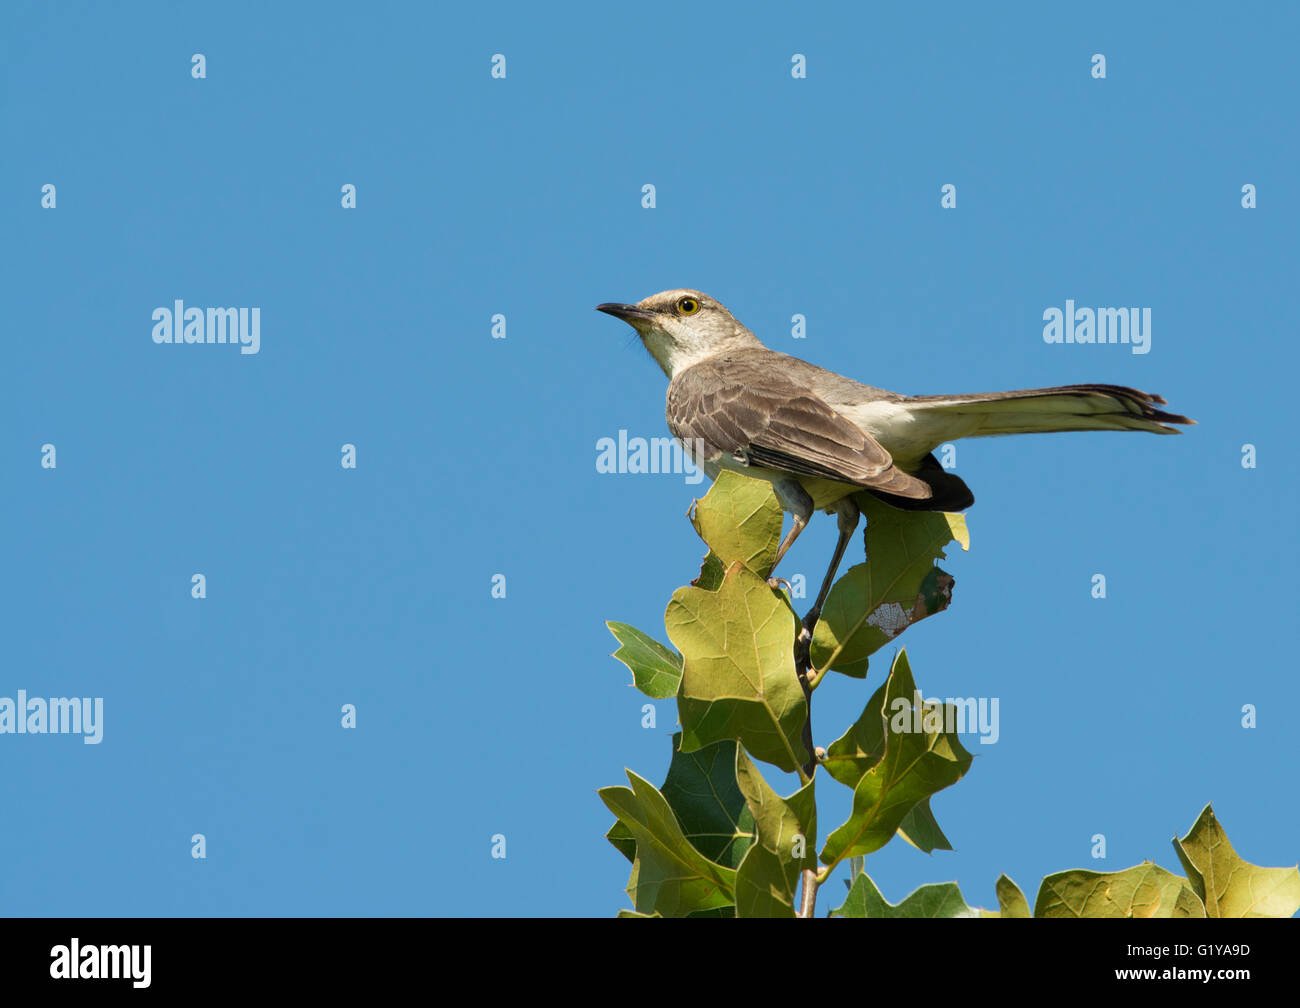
(682, 327)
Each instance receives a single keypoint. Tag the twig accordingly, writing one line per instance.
(803, 668)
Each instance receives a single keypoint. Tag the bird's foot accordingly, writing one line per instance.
(803, 643)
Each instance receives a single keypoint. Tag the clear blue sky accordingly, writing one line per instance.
(476, 457)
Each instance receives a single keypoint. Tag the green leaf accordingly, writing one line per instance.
(898, 585)
(784, 840)
(701, 789)
(622, 839)
(738, 678)
(1145, 890)
(860, 748)
(723, 911)
(740, 519)
(656, 671)
(1229, 886)
(915, 764)
(1011, 901)
(711, 572)
(942, 900)
(669, 876)
(921, 829)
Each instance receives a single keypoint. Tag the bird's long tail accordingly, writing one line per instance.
(1048, 410)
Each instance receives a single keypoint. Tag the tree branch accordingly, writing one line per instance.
(803, 669)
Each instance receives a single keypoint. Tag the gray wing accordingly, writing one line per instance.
(750, 409)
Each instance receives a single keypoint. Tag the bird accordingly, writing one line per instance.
(819, 437)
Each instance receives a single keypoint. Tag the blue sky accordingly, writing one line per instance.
(475, 457)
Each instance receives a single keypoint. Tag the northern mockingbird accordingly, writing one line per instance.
(819, 437)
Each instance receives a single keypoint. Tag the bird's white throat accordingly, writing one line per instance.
(675, 353)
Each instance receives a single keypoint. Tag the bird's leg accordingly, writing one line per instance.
(794, 499)
(798, 525)
(847, 515)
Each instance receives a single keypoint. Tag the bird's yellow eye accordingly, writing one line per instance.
(688, 306)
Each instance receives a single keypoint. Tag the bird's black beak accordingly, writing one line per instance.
(630, 314)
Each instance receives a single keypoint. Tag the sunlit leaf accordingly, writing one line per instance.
(785, 839)
(941, 900)
(738, 679)
(1145, 890)
(1011, 901)
(740, 519)
(1229, 886)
